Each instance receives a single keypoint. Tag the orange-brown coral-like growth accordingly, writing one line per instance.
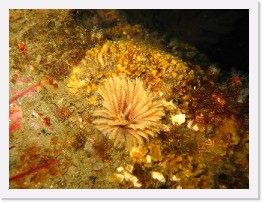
(130, 113)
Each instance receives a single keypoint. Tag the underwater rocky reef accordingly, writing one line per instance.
(103, 99)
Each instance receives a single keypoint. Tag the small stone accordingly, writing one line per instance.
(178, 119)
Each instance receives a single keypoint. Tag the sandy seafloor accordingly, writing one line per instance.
(58, 61)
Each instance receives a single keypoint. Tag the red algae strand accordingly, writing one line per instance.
(33, 170)
(19, 95)
(14, 126)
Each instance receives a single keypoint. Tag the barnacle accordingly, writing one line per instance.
(130, 114)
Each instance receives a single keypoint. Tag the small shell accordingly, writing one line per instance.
(192, 126)
(174, 178)
(119, 177)
(158, 176)
(178, 119)
(120, 169)
(195, 127)
(132, 178)
(129, 168)
(148, 158)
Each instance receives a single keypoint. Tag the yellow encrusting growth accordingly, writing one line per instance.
(130, 114)
(132, 58)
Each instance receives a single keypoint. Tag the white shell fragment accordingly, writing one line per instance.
(132, 178)
(148, 158)
(193, 126)
(178, 119)
(125, 175)
(120, 169)
(120, 177)
(174, 178)
(158, 176)
(129, 168)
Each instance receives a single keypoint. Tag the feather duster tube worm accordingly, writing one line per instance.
(130, 114)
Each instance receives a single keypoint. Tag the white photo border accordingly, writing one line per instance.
(254, 176)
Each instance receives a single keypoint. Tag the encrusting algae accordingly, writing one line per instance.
(134, 59)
